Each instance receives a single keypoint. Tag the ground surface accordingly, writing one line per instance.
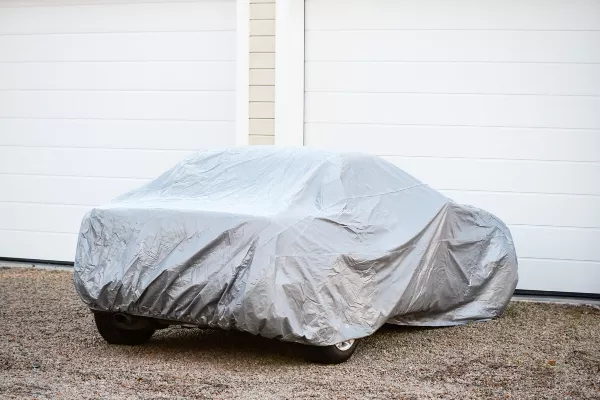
(49, 348)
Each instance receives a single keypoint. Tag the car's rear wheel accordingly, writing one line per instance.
(335, 354)
(111, 331)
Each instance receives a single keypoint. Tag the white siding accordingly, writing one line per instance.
(493, 103)
(98, 97)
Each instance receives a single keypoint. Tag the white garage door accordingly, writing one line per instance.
(496, 103)
(96, 97)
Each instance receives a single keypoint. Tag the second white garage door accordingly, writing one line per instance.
(98, 97)
(495, 103)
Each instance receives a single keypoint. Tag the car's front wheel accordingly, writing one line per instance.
(334, 354)
(113, 332)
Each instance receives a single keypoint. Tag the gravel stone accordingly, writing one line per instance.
(49, 349)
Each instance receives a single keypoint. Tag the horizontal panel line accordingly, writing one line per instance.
(45, 204)
(108, 4)
(116, 61)
(120, 90)
(55, 204)
(38, 231)
(449, 126)
(451, 30)
(306, 61)
(517, 193)
(492, 159)
(99, 148)
(121, 178)
(557, 227)
(454, 94)
(115, 119)
(111, 32)
(559, 260)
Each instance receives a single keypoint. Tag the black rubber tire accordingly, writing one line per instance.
(329, 354)
(114, 335)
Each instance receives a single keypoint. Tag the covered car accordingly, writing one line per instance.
(302, 245)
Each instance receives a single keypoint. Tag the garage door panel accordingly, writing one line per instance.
(534, 209)
(45, 3)
(559, 275)
(96, 98)
(557, 243)
(94, 18)
(64, 190)
(143, 46)
(207, 106)
(38, 245)
(473, 110)
(504, 175)
(117, 134)
(168, 75)
(444, 77)
(462, 141)
(48, 218)
(464, 14)
(456, 45)
(500, 113)
(88, 162)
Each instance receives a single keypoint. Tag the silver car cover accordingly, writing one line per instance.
(302, 245)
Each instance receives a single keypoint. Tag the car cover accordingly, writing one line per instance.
(299, 244)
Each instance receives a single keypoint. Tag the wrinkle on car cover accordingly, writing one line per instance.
(302, 245)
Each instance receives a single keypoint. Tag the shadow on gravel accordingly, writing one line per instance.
(234, 345)
(223, 344)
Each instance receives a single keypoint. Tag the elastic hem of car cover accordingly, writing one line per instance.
(36, 261)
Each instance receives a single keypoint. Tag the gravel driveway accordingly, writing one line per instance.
(49, 349)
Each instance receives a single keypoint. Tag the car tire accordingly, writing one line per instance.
(335, 354)
(115, 335)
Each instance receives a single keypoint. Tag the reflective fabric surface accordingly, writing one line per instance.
(297, 244)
